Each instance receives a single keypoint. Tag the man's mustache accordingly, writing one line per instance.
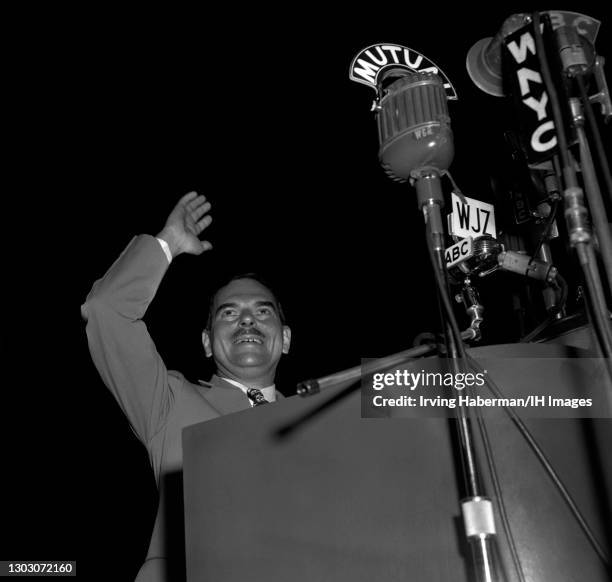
(252, 331)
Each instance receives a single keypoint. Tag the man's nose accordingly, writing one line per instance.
(247, 319)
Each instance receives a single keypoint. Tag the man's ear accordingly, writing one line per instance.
(206, 343)
(286, 339)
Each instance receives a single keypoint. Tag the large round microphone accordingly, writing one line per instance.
(416, 142)
(484, 59)
(413, 124)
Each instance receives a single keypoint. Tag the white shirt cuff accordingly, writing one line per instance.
(165, 248)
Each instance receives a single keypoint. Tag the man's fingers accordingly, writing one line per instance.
(189, 196)
(204, 246)
(200, 210)
(196, 202)
(202, 224)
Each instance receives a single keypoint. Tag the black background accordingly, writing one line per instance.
(117, 117)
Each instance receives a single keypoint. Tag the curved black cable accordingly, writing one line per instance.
(541, 456)
(490, 461)
(536, 331)
(601, 320)
(470, 469)
(500, 498)
(599, 149)
(549, 220)
(584, 251)
(450, 314)
(486, 443)
(562, 289)
(563, 292)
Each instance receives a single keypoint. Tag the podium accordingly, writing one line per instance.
(346, 498)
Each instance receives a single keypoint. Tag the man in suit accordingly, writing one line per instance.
(245, 336)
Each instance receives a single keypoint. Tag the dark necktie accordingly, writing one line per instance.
(256, 396)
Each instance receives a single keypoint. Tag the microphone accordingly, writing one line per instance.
(573, 49)
(484, 59)
(489, 255)
(416, 142)
(413, 125)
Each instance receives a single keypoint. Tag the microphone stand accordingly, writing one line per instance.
(410, 107)
(477, 509)
(593, 192)
(602, 228)
(350, 379)
(575, 66)
(576, 213)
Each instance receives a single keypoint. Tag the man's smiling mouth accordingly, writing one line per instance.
(248, 339)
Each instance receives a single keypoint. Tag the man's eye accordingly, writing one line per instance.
(264, 311)
(228, 313)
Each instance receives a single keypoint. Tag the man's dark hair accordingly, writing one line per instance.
(255, 277)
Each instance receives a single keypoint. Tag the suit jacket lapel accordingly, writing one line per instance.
(225, 397)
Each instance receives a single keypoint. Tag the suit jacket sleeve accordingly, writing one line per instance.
(120, 345)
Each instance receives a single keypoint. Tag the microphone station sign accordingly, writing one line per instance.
(459, 252)
(471, 218)
(368, 65)
(537, 131)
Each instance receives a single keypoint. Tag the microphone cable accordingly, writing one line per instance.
(601, 156)
(562, 292)
(443, 292)
(546, 464)
(503, 514)
(484, 436)
(546, 231)
(519, 424)
(584, 250)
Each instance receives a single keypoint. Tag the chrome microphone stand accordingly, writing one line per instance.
(576, 213)
(477, 509)
(416, 143)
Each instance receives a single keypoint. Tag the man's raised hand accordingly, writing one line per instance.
(186, 222)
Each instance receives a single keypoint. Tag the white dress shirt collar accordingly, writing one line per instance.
(269, 392)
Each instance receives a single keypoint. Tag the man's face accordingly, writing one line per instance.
(247, 337)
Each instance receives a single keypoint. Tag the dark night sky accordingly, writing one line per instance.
(264, 120)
